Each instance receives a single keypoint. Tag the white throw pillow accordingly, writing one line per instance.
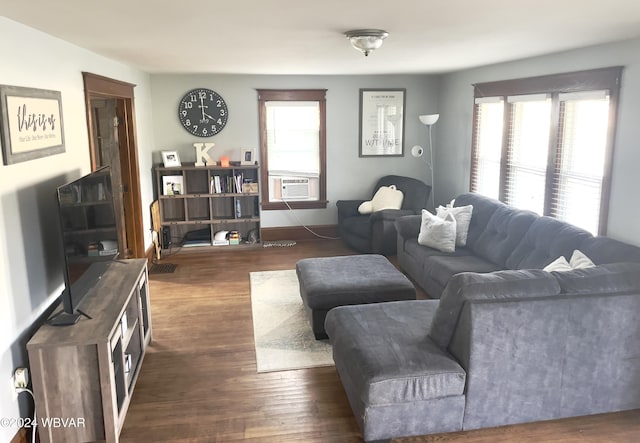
(438, 233)
(560, 264)
(365, 207)
(386, 197)
(462, 214)
(580, 261)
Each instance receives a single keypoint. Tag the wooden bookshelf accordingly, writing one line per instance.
(206, 199)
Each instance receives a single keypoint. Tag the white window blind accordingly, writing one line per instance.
(526, 161)
(581, 158)
(555, 155)
(293, 137)
(488, 146)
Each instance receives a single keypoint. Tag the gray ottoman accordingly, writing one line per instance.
(328, 282)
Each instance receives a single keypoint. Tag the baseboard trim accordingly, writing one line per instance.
(298, 233)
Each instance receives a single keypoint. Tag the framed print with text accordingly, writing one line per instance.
(382, 122)
(30, 124)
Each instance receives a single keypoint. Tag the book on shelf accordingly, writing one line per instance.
(227, 184)
(216, 185)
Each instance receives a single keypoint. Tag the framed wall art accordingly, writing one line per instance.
(382, 122)
(30, 123)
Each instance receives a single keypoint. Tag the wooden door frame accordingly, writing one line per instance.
(97, 86)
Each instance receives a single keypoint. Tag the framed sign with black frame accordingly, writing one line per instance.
(382, 122)
(30, 123)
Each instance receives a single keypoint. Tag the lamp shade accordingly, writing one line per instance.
(429, 119)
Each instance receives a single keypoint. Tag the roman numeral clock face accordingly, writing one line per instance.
(203, 112)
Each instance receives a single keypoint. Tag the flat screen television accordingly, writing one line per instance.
(89, 239)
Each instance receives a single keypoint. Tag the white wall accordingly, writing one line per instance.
(30, 261)
(453, 150)
(348, 175)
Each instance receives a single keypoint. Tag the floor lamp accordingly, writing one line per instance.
(417, 151)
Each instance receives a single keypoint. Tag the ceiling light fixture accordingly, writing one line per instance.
(366, 40)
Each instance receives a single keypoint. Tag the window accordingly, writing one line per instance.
(545, 144)
(293, 148)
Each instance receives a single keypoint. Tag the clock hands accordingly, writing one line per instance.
(203, 107)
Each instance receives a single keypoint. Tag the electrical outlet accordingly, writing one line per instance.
(21, 378)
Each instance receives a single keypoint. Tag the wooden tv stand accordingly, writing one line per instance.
(84, 374)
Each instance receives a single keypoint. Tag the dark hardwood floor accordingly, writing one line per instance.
(199, 383)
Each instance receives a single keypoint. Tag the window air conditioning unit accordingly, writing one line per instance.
(292, 188)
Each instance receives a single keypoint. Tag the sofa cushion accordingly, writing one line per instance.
(442, 268)
(546, 239)
(483, 209)
(422, 254)
(607, 250)
(497, 285)
(610, 278)
(388, 355)
(506, 228)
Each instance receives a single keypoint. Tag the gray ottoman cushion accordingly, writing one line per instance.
(328, 282)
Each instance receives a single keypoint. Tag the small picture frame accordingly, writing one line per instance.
(171, 159)
(172, 185)
(247, 156)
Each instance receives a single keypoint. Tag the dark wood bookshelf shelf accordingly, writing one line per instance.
(210, 200)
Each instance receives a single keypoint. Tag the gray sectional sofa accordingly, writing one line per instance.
(500, 237)
(506, 343)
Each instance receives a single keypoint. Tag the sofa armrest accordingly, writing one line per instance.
(348, 208)
(390, 214)
(409, 226)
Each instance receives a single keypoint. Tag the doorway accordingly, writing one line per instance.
(112, 141)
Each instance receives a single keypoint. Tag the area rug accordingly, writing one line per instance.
(282, 333)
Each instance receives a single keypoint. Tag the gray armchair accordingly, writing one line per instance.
(376, 232)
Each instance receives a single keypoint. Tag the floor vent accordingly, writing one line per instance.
(162, 268)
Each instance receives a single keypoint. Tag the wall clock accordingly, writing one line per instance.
(203, 112)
